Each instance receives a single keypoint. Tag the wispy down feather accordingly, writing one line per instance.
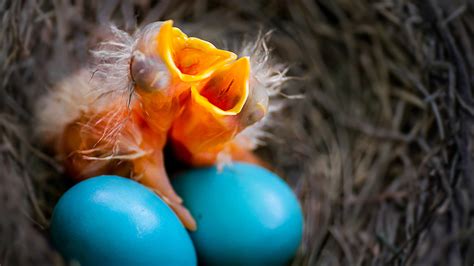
(267, 76)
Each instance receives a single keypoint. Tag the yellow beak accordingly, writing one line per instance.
(226, 92)
(211, 118)
(190, 59)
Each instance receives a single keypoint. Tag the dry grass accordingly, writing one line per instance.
(378, 150)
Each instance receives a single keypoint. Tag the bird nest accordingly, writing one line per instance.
(375, 137)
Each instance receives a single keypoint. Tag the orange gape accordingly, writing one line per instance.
(210, 119)
(185, 88)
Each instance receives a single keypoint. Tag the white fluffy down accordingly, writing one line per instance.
(89, 89)
(109, 77)
(64, 103)
(266, 75)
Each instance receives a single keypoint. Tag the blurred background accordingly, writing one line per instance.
(376, 135)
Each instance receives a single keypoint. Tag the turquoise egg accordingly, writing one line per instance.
(246, 215)
(111, 220)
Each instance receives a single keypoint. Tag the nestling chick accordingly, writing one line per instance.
(115, 117)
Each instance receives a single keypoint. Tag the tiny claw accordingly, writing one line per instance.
(155, 177)
(184, 215)
(163, 187)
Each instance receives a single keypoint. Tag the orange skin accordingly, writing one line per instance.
(198, 107)
(213, 116)
(83, 146)
(209, 120)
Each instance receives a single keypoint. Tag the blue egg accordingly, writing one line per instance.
(246, 215)
(111, 220)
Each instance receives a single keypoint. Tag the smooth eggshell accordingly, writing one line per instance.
(246, 215)
(111, 220)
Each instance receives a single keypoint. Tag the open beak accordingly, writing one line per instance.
(211, 117)
(226, 92)
(168, 61)
(190, 59)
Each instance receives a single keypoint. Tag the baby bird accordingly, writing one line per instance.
(219, 108)
(117, 116)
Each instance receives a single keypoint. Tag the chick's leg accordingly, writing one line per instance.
(152, 173)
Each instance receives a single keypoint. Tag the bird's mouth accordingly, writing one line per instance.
(188, 58)
(227, 89)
